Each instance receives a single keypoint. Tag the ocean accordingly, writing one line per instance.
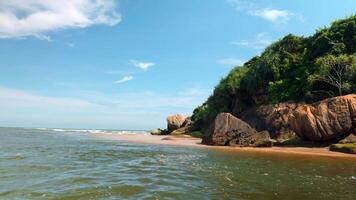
(73, 164)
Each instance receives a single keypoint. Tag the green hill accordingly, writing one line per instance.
(302, 69)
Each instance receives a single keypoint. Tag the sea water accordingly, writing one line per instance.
(73, 164)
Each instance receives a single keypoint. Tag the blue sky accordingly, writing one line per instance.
(128, 64)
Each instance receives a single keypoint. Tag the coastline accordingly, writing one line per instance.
(188, 141)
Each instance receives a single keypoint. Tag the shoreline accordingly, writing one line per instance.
(188, 141)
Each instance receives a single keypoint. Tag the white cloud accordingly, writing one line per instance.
(270, 14)
(23, 18)
(125, 79)
(142, 65)
(44, 37)
(259, 42)
(231, 61)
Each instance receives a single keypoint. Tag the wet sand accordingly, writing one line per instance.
(186, 140)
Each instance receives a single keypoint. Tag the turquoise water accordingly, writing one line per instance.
(47, 164)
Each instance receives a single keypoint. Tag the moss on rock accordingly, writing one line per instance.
(344, 148)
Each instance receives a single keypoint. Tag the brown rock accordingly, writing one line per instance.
(349, 139)
(185, 127)
(273, 118)
(228, 130)
(325, 120)
(174, 122)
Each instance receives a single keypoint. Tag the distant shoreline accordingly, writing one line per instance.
(189, 141)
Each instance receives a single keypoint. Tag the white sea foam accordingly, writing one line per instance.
(96, 131)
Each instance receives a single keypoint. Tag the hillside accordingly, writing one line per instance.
(299, 69)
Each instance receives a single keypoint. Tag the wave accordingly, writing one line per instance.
(95, 131)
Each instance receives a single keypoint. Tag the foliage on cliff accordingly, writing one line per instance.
(293, 68)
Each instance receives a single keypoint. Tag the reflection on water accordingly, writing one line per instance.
(45, 164)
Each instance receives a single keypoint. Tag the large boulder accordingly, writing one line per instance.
(185, 127)
(272, 117)
(174, 122)
(325, 120)
(228, 130)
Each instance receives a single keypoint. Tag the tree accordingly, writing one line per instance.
(335, 70)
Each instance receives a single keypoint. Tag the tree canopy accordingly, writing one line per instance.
(292, 68)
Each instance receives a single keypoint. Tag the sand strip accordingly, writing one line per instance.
(196, 142)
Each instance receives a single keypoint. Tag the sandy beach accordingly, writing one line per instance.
(186, 140)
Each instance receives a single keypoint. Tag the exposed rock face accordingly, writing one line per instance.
(325, 120)
(228, 130)
(274, 118)
(185, 127)
(174, 122)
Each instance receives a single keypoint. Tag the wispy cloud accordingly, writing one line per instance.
(270, 14)
(124, 79)
(259, 42)
(43, 37)
(19, 19)
(134, 110)
(142, 65)
(70, 44)
(20, 99)
(231, 61)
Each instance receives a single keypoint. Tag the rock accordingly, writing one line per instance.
(228, 130)
(174, 122)
(187, 122)
(349, 139)
(325, 120)
(263, 139)
(344, 148)
(273, 117)
(259, 99)
(157, 131)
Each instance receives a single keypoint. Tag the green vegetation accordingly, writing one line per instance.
(293, 68)
(345, 148)
(177, 132)
(196, 134)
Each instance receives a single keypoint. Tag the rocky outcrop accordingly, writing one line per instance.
(175, 122)
(325, 120)
(274, 118)
(185, 127)
(228, 130)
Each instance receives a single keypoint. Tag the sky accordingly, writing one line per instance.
(128, 64)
